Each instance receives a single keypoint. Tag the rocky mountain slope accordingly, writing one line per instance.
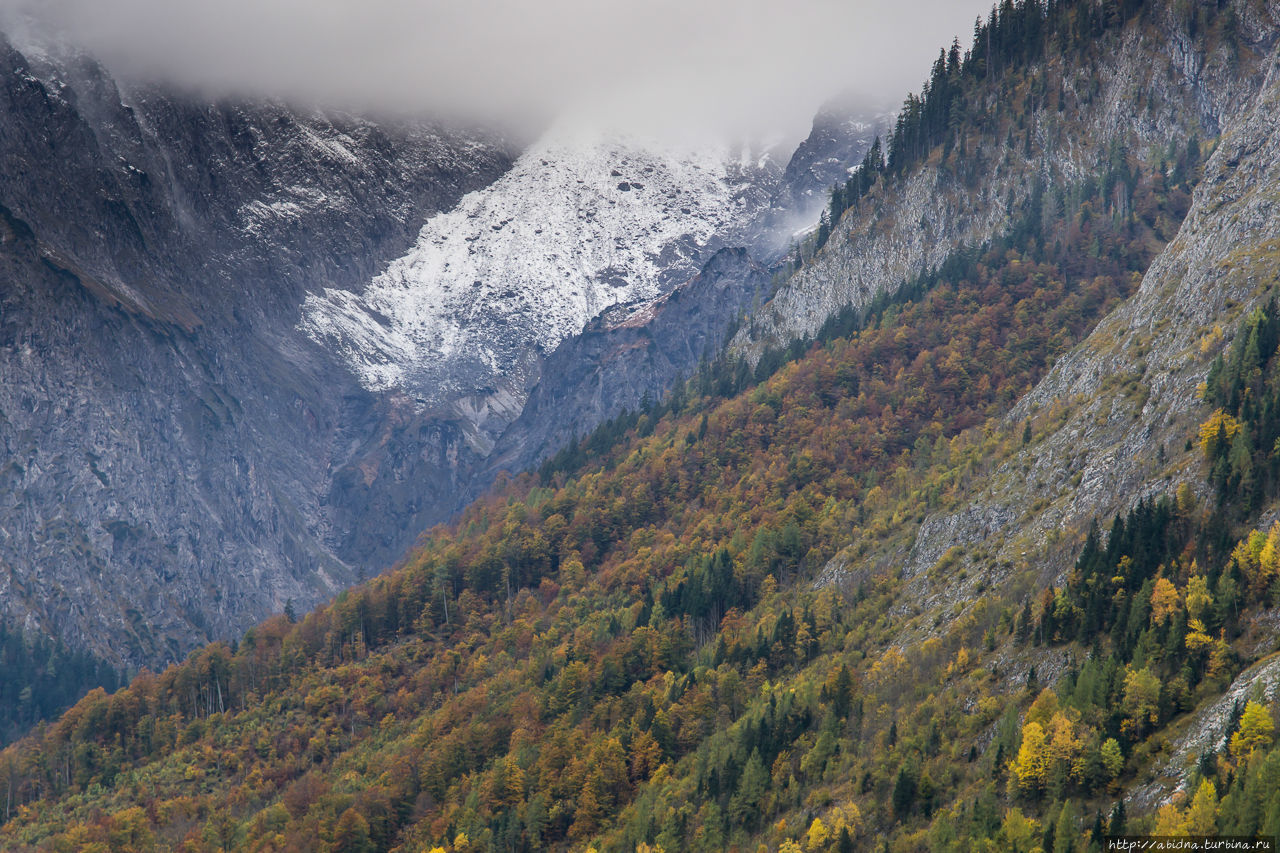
(1165, 87)
(167, 433)
(843, 131)
(454, 336)
(1134, 385)
(629, 355)
(582, 222)
(250, 351)
(1114, 416)
(1115, 421)
(856, 603)
(639, 350)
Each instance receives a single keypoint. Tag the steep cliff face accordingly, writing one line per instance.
(628, 355)
(250, 352)
(1111, 419)
(168, 435)
(637, 351)
(842, 133)
(1163, 84)
(1114, 416)
(1115, 420)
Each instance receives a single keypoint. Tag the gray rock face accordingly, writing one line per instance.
(842, 133)
(177, 460)
(639, 350)
(1207, 731)
(1112, 417)
(1162, 85)
(630, 354)
(840, 137)
(184, 453)
(939, 533)
(585, 221)
(1222, 263)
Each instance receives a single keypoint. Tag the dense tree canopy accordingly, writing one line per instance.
(691, 630)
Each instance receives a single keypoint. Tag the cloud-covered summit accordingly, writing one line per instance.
(753, 66)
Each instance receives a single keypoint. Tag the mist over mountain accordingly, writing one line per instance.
(623, 475)
(744, 70)
(253, 349)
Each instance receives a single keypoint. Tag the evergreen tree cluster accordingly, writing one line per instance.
(847, 195)
(1241, 440)
(1016, 34)
(1111, 584)
(41, 678)
(707, 591)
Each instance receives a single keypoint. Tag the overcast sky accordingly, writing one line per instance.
(752, 66)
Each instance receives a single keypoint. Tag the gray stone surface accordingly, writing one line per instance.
(177, 461)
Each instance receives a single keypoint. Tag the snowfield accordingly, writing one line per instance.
(582, 222)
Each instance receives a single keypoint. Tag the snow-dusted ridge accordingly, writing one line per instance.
(582, 222)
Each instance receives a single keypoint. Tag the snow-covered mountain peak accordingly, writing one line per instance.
(582, 222)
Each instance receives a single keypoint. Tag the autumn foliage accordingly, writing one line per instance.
(654, 648)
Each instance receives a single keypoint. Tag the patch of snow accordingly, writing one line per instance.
(583, 221)
(335, 148)
(296, 203)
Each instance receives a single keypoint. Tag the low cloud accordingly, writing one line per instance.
(651, 65)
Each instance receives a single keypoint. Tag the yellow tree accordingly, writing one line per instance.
(1020, 832)
(1044, 708)
(1200, 818)
(1028, 769)
(129, 830)
(1269, 559)
(1217, 432)
(1186, 499)
(1203, 815)
(506, 786)
(1112, 757)
(817, 836)
(1247, 555)
(1141, 699)
(1199, 599)
(646, 755)
(1257, 729)
(1169, 820)
(1165, 601)
(1063, 748)
(1196, 636)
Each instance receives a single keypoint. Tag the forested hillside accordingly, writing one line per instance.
(40, 678)
(700, 628)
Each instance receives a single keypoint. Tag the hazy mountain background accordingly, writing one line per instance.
(941, 513)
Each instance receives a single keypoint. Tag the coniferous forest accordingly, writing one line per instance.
(40, 678)
(686, 630)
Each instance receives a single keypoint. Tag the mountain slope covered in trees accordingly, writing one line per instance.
(192, 434)
(858, 593)
(982, 137)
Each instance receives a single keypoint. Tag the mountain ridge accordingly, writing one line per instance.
(633, 653)
(146, 332)
(877, 251)
(191, 235)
